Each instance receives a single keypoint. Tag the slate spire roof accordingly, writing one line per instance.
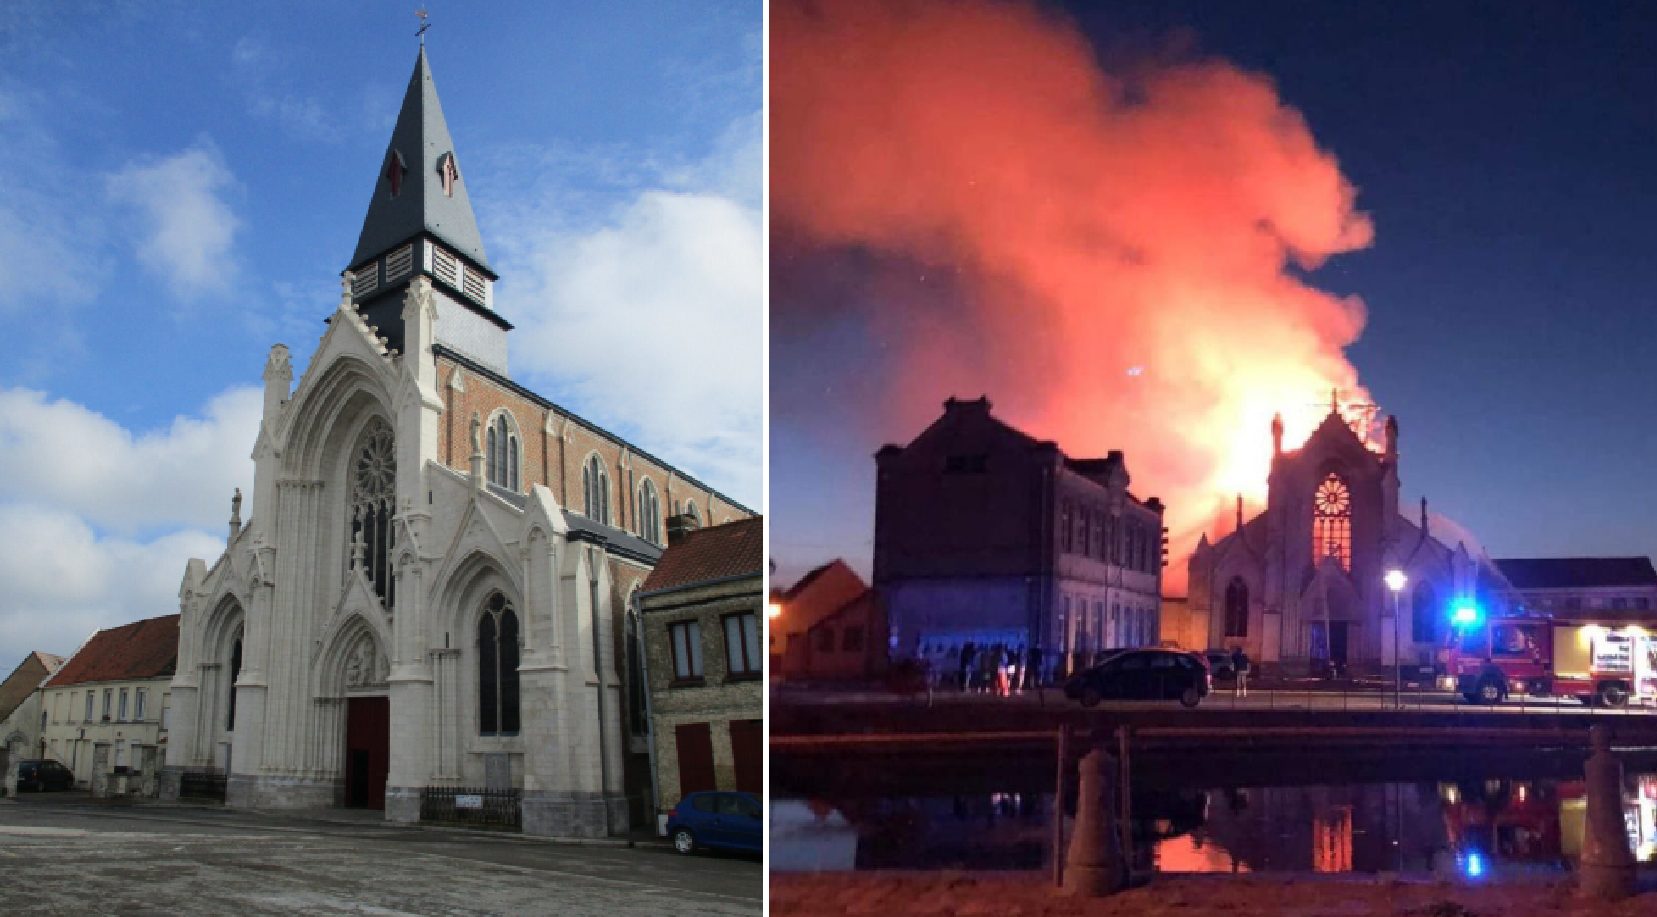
(414, 165)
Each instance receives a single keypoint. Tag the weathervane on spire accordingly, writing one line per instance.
(424, 25)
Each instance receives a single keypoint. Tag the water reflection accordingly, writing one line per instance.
(1474, 830)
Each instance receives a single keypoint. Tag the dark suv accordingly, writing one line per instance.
(42, 774)
(1147, 674)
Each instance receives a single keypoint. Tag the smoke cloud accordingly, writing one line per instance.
(1116, 258)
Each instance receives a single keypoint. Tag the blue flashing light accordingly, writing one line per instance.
(1475, 865)
(1466, 615)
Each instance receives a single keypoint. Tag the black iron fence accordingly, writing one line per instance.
(202, 786)
(471, 807)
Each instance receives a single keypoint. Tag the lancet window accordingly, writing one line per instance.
(502, 454)
(498, 668)
(373, 501)
(595, 491)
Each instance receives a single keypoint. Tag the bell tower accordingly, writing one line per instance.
(420, 223)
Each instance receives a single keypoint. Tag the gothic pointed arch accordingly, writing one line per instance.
(503, 451)
(353, 657)
(1332, 521)
(1236, 608)
(373, 503)
(1426, 620)
(499, 647)
(649, 512)
(595, 489)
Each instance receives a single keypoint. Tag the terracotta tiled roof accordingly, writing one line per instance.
(142, 649)
(25, 679)
(714, 553)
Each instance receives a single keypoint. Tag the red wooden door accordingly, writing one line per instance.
(695, 746)
(367, 751)
(747, 753)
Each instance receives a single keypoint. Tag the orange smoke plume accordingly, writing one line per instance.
(1129, 239)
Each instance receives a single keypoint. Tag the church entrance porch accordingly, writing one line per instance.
(367, 751)
(1329, 647)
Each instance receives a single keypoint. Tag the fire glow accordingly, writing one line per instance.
(1127, 240)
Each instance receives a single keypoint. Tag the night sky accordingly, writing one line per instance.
(1507, 155)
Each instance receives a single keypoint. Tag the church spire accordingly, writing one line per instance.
(419, 188)
(420, 224)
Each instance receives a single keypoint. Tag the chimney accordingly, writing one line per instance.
(678, 527)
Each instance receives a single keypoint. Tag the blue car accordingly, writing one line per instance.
(730, 821)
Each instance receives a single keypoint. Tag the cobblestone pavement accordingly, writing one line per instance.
(73, 856)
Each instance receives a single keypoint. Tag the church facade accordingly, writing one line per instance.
(1304, 582)
(431, 590)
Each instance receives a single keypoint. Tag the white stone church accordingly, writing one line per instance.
(1303, 583)
(431, 591)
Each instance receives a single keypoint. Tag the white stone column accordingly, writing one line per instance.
(412, 732)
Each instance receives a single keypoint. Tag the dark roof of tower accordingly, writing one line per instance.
(1577, 572)
(421, 138)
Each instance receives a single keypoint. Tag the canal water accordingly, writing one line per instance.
(1486, 819)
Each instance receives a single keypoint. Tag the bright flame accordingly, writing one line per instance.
(1107, 255)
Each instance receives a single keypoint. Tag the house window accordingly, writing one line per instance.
(1619, 604)
(825, 639)
(1642, 603)
(109, 701)
(686, 639)
(742, 644)
(502, 453)
(1332, 522)
(1099, 535)
(122, 715)
(1237, 608)
(595, 491)
(373, 499)
(650, 513)
(88, 707)
(1064, 526)
(851, 640)
(138, 705)
(498, 668)
(1084, 524)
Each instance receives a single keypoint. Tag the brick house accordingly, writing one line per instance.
(114, 692)
(701, 611)
(832, 628)
(987, 535)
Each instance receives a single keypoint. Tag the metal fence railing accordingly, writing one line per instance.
(471, 807)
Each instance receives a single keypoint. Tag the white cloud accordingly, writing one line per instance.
(62, 455)
(650, 314)
(97, 521)
(64, 581)
(188, 230)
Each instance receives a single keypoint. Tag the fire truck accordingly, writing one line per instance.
(1605, 661)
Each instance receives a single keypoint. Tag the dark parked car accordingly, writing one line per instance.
(40, 775)
(716, 819)
(1148, 674)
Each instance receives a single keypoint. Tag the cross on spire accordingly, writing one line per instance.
(424, 25)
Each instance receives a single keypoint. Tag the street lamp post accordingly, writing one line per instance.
(1395, 581)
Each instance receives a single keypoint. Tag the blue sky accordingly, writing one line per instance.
(186, 181)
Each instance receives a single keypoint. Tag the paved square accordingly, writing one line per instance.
(70, 856)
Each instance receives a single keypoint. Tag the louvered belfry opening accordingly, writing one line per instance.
(373, 500)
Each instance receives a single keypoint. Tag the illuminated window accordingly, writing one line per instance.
(1237, 608)
(1332, 522)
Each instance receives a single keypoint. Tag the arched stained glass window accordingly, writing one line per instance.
(595, 491)
(498, 668)
(1425, 620)
(502, 457)
(1332, 522)
(1237, 608)
(373, 499)
(650, 513)
(235, 673)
